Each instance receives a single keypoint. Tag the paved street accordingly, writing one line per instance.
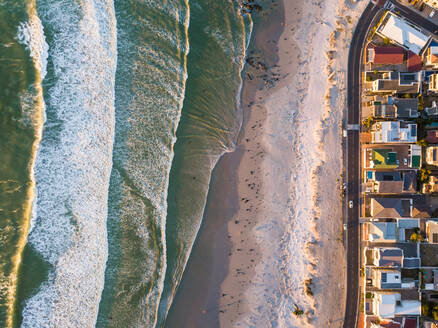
(353, 167)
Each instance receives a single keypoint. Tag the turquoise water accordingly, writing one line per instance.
(140, 98)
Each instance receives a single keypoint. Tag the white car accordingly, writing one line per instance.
(345, 226)
(350, 204)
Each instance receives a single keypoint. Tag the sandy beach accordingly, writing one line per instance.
(271, 240)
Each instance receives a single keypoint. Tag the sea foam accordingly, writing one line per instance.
(150, 88)
(74, 161)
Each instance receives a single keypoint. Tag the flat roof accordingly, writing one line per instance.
(403, 33)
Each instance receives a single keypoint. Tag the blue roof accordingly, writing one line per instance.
(427, 74)
(411, 263)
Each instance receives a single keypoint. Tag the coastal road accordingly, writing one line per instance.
(353, 165)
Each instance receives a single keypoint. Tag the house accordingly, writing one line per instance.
(432, 55)
(391, 55)
(429, 324)
(406, 227)
(431, 3)
(402, 33)
(433, 82)
(382, 232)
(391, 279)
(414, 207)
(384, 157)
(432, 111)
(394, 131)
(406, 107)
(397, 83)
(389, 257)
(432, 231)
(415, 62)
(432, 136)
(390, 305)
(384, 257)
(396, 108)
(390, 182)
(432, 151)
(391, 207)
(432, 285)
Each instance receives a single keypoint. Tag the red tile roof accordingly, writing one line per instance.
(410, 323)
(388, 55)
(380, 3)
(414, 62)
(433, 59)
(432, 136)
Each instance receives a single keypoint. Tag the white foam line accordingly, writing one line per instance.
(74, 162)
(31, 34)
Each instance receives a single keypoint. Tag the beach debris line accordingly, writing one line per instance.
(267, 74)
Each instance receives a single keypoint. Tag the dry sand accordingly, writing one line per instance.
(288, 226)
(273, 218)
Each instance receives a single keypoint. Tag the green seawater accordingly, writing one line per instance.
(20, 119)
(209, 126)
(177, 90)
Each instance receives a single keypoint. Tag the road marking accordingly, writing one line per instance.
(353, 127)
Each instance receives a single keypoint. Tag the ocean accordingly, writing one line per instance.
(114, 114)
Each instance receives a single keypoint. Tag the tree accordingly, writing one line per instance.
(422, 142)
(416, 238)
(425, 309)
(420, 102)
(435, 312)
(424, 175)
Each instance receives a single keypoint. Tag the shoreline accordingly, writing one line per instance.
(283, 238)
(213, 246)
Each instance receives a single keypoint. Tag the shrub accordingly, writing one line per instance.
(367, 122)
(298, 312)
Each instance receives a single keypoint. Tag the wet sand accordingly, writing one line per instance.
(274, 209)
(200, 300)
(196, 302)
